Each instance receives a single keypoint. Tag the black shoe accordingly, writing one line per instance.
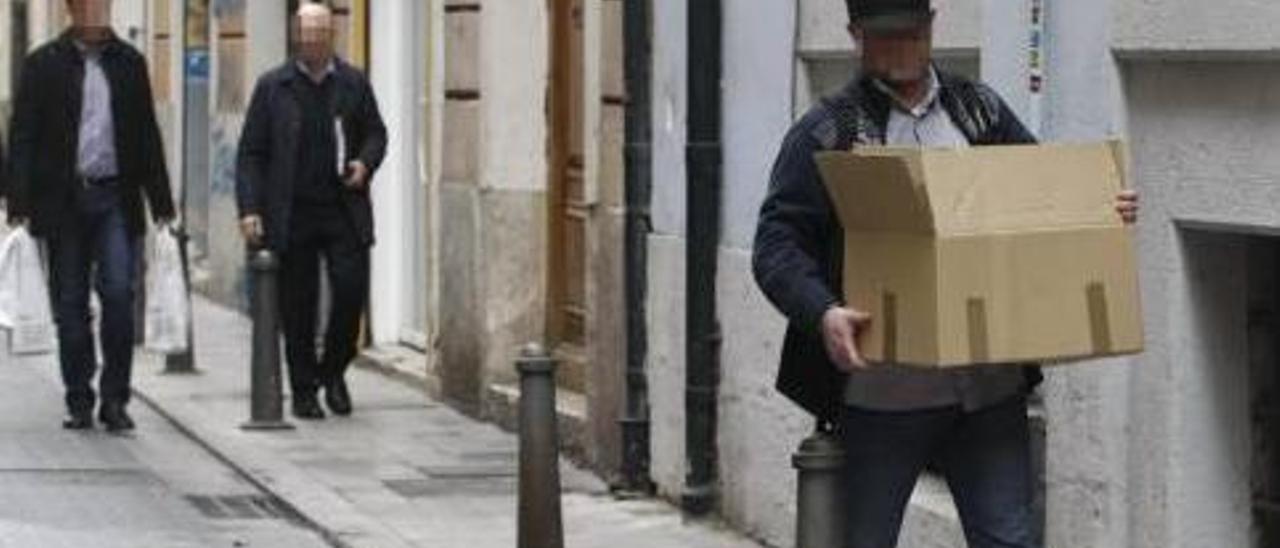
(337, 397)
(78, 421)
(114, 417)
(307, 408)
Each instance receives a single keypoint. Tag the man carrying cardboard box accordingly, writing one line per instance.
(970, 421)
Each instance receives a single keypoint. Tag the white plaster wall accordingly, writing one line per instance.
(670, 45)
(665, 366)
(394, 66)
(1206, 137)
(759, 428)
(129, 19)
(758, 69)
(1204, 158)
(1197, 28)
(1083, 98)
(514, 73)
(267, 26)
(1003, 59)
(44, 21)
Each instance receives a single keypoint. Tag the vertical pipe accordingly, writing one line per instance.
(702, 342)
(637, 158)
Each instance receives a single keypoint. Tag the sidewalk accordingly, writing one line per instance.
(155, 489)
(403, 471)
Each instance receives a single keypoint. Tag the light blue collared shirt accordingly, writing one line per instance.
(96, 154)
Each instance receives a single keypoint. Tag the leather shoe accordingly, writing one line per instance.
(307, 408)
(337, 397)
(78, 421)
(114, 417)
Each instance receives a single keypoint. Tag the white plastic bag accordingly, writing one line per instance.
(168, 307)
(24, 295)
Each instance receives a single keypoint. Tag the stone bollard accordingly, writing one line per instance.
(539, 524)
(819, 464)
(266, 406)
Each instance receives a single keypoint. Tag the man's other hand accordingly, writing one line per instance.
(1127, 206)
(251, 229)
(841, 328)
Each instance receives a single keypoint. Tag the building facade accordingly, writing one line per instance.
(518, 163)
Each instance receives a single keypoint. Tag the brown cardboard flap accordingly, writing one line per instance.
(877, 192)
(988, 190)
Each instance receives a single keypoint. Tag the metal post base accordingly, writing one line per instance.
(819, 463)
(180, 364)
(266, 426)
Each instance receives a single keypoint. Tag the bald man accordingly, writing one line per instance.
(312, 140)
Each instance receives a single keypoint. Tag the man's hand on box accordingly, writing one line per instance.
(1127, 206)
(841, 328)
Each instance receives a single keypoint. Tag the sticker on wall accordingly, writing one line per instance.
(1036, 65)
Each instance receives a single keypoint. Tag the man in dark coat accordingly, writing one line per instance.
(970, 422)
(85, 149)
(312, 140)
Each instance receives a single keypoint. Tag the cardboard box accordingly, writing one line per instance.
(987, 255)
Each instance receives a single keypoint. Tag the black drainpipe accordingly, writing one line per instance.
(639, 176)
(702, 335)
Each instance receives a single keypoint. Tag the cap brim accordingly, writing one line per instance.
(892, 22)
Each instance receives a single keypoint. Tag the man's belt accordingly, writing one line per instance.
(100, 181)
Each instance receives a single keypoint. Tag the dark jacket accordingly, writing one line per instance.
(44, 136)
(267, 163)
(799, 248)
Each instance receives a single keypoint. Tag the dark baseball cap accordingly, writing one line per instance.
(889, 15)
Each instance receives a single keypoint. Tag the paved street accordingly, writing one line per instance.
(153, 489)
(404, 471)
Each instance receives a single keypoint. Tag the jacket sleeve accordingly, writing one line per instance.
(795, 229)
(374, 148)
(253, 155)
(24, 134)
(156, 182)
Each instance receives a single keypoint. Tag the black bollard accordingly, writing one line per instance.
(539, 505)
(819, 464)
(266, 406)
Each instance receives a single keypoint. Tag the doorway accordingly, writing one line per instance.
(568, 209)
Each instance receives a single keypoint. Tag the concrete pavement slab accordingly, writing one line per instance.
(403, 471)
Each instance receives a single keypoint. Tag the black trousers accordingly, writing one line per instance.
(321, 232)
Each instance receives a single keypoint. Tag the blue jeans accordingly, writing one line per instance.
(984, 456)
(94, 244)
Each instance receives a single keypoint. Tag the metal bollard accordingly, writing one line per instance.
(539, 505)
(266, 408)
(819, 464)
